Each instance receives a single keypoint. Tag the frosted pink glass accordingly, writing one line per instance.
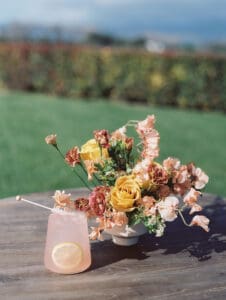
(63, 228)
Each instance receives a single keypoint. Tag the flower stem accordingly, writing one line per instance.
(73, 169)
(183, 219)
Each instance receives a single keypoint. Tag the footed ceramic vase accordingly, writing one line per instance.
(126, 235)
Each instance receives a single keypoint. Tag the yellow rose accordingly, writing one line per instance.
(124, 194)
(91, 151)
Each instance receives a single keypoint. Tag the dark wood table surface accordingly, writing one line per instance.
(186, 263)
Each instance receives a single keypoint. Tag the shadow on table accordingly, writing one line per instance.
(177, 238)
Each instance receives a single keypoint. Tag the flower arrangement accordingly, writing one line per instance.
(127, 185)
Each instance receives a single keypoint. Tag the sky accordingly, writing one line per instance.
(203, 20)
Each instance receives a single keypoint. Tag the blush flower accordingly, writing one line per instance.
(51, 139)
(201, 221)
(144, 127)
(151, 144)
(102, 137)
(191, 197)
(95, 234)
(199, 178)
(171, 164)
(181, 180)
(72, 157)
(195, 208)
(62, 200)
(98, 199)
(119, 134)
(168, 208)
(140, 171)
(90, 168)
(119, 218)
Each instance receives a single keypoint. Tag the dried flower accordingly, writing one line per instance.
(157, 174)
(171, 164)
(98, 198)
(72, 157)
(102, 137)
(51, 139)
(62, 200)
(145, 126)
(82, 204)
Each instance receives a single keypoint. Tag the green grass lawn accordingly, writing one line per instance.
(27, 164)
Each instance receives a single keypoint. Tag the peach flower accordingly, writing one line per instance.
(51, 139)
(199, 178)
(102, 137)
(157, 174)
(90, 168)
(195, 208)
(181, 180)
(151, 144)
(119, 134)
(141, 172)
(95, 234)
(168, 208)
(119, 218)
(148, 203)
(62, 200)
(143, 127)
(171, 163)
(201, 221)
(72, 157)
(191, 197)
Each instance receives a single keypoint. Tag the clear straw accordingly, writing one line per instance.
(19, 198)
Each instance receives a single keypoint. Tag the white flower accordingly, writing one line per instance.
(168, 207)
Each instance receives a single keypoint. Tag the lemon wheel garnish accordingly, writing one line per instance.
(67, 255)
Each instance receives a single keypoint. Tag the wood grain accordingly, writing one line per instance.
(184, 264)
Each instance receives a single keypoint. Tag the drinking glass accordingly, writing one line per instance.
(67, 248)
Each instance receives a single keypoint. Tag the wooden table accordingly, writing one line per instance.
(186, 263)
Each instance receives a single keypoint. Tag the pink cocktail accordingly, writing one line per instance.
(67, 243)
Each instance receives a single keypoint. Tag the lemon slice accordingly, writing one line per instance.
(67, 255)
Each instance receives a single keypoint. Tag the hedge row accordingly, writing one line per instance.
(178, 80)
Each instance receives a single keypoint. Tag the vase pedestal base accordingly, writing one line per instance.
(125, 241)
